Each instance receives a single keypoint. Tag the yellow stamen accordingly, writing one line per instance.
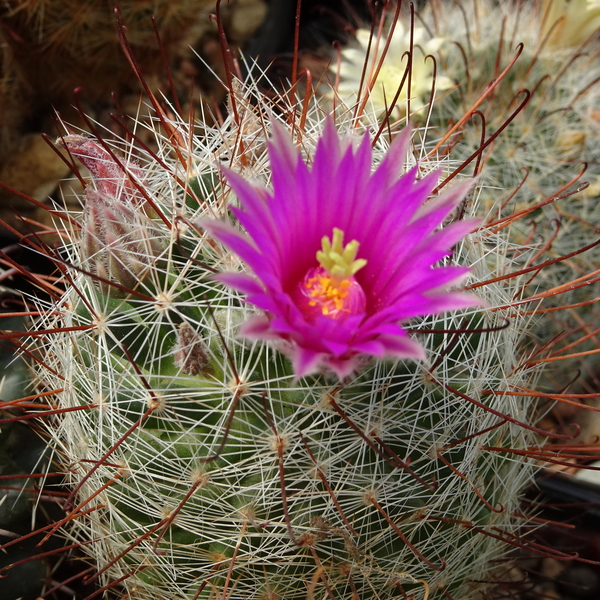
(339, 261)
(327, 293)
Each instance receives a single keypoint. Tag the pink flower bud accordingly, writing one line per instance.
(118, 242)
(112, 178)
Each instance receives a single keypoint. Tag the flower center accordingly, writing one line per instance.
(331, 289)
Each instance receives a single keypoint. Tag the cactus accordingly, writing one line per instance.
(202, 464)
(204, 461)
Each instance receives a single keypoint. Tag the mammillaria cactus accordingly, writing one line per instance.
(260, 384)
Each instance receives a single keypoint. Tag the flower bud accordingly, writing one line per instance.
(112, 178)
(118, 243)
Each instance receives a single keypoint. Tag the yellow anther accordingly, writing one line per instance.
(339, 261)
(327, 293)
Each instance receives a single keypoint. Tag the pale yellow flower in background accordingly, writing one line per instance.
(392, 70)
(569, 22)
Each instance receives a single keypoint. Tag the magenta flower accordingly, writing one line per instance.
(341, 255)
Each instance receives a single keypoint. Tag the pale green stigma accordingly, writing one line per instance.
(339, 261)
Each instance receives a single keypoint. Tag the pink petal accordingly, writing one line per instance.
(336, 348)
(239, 281)
(446, 200)
(257, 328)
(342, 367)
(305, 361)
(402, 347)
(242, 247)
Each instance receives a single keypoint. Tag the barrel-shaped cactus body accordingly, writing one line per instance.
(204, 465)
